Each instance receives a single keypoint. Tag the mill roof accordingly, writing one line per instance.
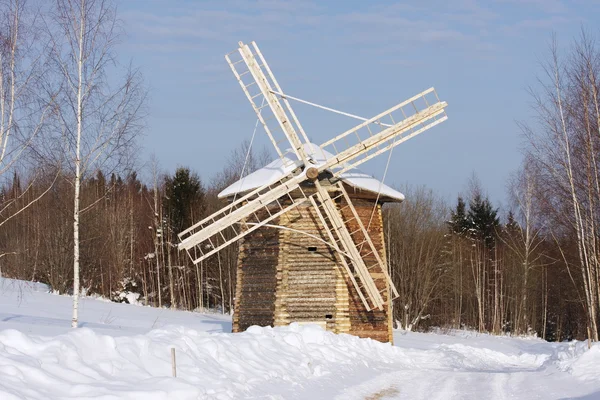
(281, 167)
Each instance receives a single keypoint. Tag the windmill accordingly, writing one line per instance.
(314, 179)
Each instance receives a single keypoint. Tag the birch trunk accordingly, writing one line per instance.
(76, 289)
(98, 120)
(6, 130)
(171, 283)
(157, 229)
(582, 244)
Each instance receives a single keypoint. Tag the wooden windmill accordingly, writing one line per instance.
(307, 201)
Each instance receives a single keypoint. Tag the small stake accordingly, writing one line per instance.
(173, 364)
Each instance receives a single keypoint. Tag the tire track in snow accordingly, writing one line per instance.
(449, 385)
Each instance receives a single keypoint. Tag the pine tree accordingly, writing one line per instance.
(483, 220)
(512, 226)
(16, 185)
(184, 194)
(458, 218)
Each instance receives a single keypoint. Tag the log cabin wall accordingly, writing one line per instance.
(375, 324)
(307, 272)
(285, 276)
(256, 280)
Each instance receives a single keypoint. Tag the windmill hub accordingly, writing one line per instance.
(312, 173)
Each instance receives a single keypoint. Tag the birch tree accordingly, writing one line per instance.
(27, 101)
(564, 147)
(415, 234)
(100, 113)
(523, 237)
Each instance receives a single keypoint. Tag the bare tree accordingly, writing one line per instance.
(26, 100)
(157, 225)
(523, 237)
(415, 233)
(100, 120)
(564, 148)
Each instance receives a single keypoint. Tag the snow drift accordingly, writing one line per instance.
(120, 354)
(91, 365)
(85, 364)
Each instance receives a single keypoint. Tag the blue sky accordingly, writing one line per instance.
(358, 56)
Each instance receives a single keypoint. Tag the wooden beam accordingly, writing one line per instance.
(346, 159)
(345, 239)
(367, 237)
(273, 102)
(340, 254)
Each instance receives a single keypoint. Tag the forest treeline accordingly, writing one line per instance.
(537, 268)
(128, 235)
(455, 265)
(76, 214)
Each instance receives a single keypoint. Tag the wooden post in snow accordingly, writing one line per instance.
(173, 363)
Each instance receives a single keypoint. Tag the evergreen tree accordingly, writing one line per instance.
(16, 185)
(458, 218)
(184, 198)
(483, 220)
(512, 226)
(133, 182)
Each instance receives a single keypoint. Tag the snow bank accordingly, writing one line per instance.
(221, 366)
(587, 366)
(28, 307)
(87, 364)
(16, 285)
(123, 352)
(580, 361)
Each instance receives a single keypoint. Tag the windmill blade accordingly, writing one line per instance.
(363, 241)
(337, 230)
(375, 136)
(339, 253)
(258, 207)
(258, 83)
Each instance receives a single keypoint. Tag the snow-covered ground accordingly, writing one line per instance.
(123, 352)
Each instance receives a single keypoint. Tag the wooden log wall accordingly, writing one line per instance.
(307, 272)
(375, 324)
(285, 276)
(256, 280)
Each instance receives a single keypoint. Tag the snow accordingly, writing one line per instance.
(123, 352)
(28, 307)
(281, 167)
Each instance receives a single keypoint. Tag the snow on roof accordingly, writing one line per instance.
(279, 168)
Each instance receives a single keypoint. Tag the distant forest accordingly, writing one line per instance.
(74, 212)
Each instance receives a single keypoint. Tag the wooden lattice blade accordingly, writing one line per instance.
(337, 228)
(365, 244)
(258, 83)
(228, 224)
(374, 137)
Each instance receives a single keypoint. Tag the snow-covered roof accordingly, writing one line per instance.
(282, 166)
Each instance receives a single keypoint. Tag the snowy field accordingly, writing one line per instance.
(123, 352)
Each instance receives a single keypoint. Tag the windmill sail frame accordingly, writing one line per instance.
(349, 149)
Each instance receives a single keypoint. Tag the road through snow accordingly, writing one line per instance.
(466, 365)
